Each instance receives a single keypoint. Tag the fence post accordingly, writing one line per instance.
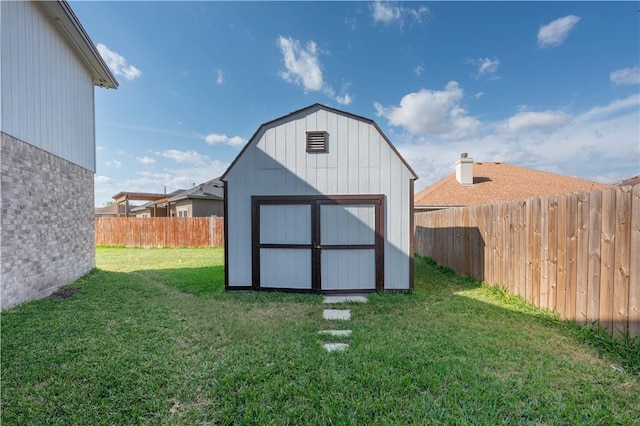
(634, 267)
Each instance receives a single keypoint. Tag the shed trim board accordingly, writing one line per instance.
(412, 228)
(315, 246)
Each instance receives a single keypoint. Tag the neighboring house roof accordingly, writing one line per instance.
(287, 117)
(493, 182)
(111, 210)
(632, 181)
(210, 190)
(63, 19)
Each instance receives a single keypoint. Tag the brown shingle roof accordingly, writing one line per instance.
(494, 182)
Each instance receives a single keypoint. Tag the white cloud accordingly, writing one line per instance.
(598, 144)
(219, 76)
(101, 179)
(418, 70)
(555, 32)
(191, 157)
(218, 139)
(629, 104)
(344, 99)
(114, 163)
(302, 67)
(352, 23)
(390, 13)
(478, 95)
(433, 112)
(625, 76)
(146, 160)
(544, 121)
(118, 64)
(301, 63)
(486, 67)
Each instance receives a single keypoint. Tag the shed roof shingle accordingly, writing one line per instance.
(494, 182)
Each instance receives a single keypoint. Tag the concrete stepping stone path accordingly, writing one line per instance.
(330, 347)
(337, 333)
(339, 315)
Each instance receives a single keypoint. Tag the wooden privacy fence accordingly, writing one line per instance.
(160, 232)
(577, 254)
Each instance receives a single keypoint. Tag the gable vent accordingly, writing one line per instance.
(316, 141)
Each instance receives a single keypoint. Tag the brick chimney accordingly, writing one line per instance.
(464, 170)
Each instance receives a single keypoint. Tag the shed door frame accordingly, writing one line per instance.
(315, 202)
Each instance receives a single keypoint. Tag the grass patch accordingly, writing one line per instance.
(151, 337)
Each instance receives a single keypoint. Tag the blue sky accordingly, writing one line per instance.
(548, 85)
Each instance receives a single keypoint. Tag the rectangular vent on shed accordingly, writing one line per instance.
(316, 141)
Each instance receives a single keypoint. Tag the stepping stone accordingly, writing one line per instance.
(344, 333)
(345, 298)
(337, 314)
(330, 347)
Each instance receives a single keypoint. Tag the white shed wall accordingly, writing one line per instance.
(47, 94)
(358, 161)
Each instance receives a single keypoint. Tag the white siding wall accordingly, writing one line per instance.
(359, 161)
(46, 92)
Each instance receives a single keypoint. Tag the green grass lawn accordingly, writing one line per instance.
(151, 337)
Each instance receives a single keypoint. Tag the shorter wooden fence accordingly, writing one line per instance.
(160, 232)
(577, 254)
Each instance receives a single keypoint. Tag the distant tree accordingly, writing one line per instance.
(110, 203)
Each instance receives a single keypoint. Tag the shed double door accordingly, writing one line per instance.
(318, 244)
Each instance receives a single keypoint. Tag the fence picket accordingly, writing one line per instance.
(621, 281)
(582, 258)
(607, 260)
(544, 252)
(594, 262)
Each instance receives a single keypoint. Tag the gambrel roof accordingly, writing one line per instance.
(310, 108)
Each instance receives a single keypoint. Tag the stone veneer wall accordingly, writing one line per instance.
(46, 223)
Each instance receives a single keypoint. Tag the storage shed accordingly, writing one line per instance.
(319, 201)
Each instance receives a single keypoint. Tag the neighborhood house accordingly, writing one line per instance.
(474, 183)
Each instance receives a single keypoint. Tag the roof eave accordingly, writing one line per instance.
(63, 18)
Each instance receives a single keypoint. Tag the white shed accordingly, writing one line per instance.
(319, 201)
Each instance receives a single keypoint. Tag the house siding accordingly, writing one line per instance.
(46, 92)
(47, 226)
(203, 208)
(359, 161)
